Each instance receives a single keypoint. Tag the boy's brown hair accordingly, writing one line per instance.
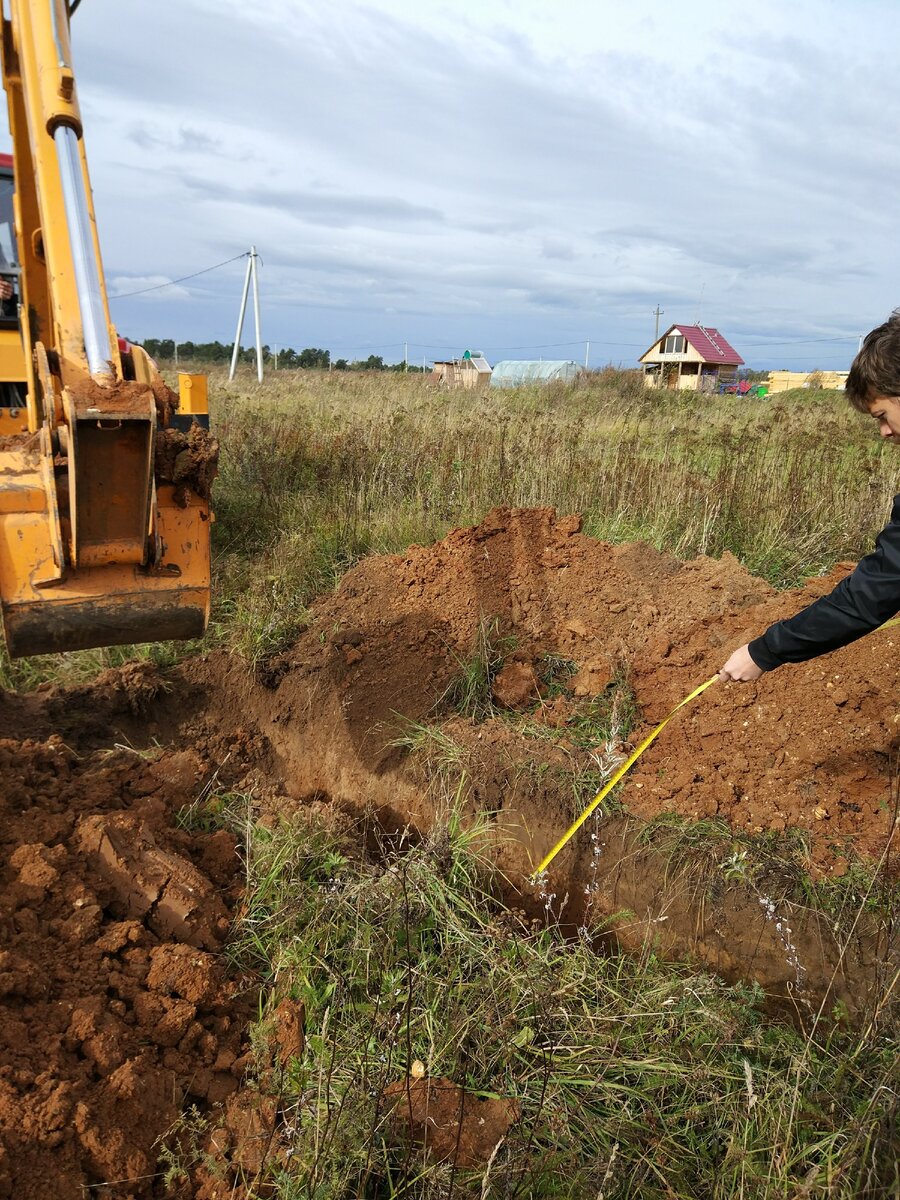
(876, 369)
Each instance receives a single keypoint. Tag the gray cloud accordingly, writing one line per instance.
(184, 141)
(560, 177)
(331, 209)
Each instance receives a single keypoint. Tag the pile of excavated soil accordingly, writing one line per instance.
(807, 746)
(116, 1011)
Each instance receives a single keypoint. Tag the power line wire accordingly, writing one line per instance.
(801, 341)
(171, 283)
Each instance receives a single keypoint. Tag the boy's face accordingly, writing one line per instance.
(886, 411)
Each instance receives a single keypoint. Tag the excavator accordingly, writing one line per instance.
(104, 472)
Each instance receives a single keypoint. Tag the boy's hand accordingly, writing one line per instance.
(740, 668)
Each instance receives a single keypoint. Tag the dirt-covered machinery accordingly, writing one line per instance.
(104, 486)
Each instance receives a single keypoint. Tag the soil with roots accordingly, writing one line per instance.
(119, 1011)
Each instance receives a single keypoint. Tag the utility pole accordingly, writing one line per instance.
(587, 351)
(176, 356)
(251, 274)
(259, 361)
(405, 357)
(658, 312)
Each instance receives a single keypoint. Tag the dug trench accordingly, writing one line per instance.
(503, 671)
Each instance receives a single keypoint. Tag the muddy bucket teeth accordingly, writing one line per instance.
(50, 626)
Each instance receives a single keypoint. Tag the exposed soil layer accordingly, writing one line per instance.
(806, 747)
(128, 396)
(189, 460)
(453, 1125)
(115, 1010)
(115, 1007)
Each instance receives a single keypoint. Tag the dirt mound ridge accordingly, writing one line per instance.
(806, 747)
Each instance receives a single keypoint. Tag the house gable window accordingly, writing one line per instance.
(674, 343)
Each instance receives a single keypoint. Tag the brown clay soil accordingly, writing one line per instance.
(128, 396)
(116, 1009)
(189, 460)
(26, 443)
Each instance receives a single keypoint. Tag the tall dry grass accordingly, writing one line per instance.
(319, 469)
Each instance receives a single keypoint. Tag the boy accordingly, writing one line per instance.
(871, 594)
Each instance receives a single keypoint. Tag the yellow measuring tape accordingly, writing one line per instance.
(629, 763)
(623, 769)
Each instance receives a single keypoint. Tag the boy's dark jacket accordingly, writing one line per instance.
(859, 604)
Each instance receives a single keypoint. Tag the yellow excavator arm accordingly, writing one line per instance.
(104, 492)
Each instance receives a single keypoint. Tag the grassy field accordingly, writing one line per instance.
(318, 470)
(635, 1078)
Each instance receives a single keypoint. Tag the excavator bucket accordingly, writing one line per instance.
(105, 538)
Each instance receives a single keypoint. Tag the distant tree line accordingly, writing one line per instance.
(752, 375)
(286, 358)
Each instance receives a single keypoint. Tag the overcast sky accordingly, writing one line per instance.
(511, 175)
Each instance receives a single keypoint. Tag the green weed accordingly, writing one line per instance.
(608, 717)
(634, 1078)
(555, 675)
(440, 754)
(470, 692)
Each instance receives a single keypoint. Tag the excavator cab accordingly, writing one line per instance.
(104, 492)
(13, 387)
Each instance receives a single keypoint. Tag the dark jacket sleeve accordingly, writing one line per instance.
(860, 603)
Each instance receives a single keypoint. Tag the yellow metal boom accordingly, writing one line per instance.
(100, 542)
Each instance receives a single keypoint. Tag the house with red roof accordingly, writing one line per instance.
(692, 358)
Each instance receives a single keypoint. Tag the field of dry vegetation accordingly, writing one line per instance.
(318, 470)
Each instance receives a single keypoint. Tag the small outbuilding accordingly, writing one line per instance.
(692, 358)
(471, 371)
(515, 372)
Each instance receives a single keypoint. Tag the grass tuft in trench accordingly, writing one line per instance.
(595, 733)
(636, 1079)
(470, 692)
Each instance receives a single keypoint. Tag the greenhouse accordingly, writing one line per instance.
(515, 372)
